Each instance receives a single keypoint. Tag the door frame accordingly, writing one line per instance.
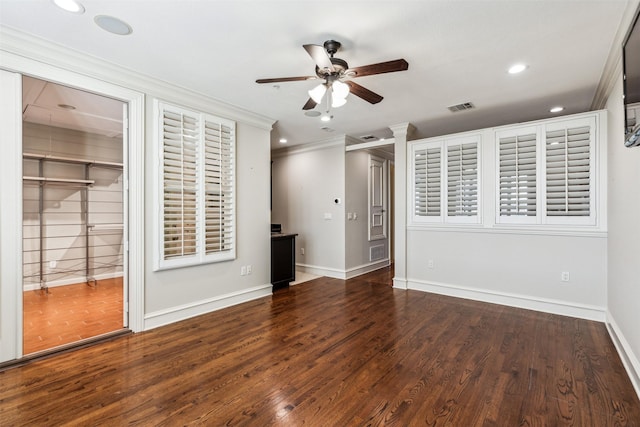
(133, 174)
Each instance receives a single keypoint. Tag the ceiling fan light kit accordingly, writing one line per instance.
(334, 71)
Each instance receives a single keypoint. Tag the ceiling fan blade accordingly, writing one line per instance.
(310, 105)
(379, 68)
(286, 79)
(364, 93)
(319, 56)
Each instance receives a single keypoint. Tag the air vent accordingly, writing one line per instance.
(367, 137)
(461, 107)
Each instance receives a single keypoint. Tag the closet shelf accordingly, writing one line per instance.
(53, 158)
(59, 180)
(105, 227)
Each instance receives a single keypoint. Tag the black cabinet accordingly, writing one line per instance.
(283, 260)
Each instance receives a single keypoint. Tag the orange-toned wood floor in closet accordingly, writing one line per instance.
(71, 313)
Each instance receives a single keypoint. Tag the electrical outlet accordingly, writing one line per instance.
(564, 276)
(243, 270)
(430, 263)
(249, 269)
(301, 251)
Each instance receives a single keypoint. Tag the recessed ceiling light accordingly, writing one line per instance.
(283, 140)
(517, 68)
(326, 118)
(113, 25)
(70, 6)
(556, 109)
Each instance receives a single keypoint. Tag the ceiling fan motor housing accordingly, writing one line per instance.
(339, 65)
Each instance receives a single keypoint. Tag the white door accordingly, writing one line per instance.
(377, 198)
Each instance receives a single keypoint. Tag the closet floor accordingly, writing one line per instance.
(71, 313)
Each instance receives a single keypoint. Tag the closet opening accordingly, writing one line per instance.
(74, 216)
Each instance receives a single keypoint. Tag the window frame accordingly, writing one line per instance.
(443, 144)
(541, 218)
(200, 256)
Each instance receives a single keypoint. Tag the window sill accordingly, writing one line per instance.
(539, 230)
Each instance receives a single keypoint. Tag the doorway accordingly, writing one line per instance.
(74, 213)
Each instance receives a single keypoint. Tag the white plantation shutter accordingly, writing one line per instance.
(218, 172)
(197, 192)
(568, 172)
(517, 175)
(427, 178)
(462, 179)
(180, 158)
(445, 180)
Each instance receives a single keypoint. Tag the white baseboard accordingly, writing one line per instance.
(629, 359)
(366, 268)
(562, 308)
(400, 283)
(186, 311)
(343, 274)
(322, 271)
(72, 281)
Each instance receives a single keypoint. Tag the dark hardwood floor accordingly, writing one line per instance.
(337, 353)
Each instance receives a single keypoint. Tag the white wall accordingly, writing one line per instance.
(305, 184)
(623, 248)
(170, 294)
(162, 297)
(511, 266)
(356, 201)
(358, 246)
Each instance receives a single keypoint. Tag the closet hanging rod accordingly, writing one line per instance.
(58, 180)
(53, 158)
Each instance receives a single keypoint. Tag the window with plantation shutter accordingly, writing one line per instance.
(568, 172)
(427, 182)
(445, 180)
(196, 195)
(462, 179)
(517, 154)
(545, 173)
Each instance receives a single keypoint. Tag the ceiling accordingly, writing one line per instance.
(458, 51)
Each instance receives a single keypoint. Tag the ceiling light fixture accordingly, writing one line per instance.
(318, 92)
(326, 118)
(556, 109)
(113, 25)
(517, 68)
(283, 140)
(70, 6)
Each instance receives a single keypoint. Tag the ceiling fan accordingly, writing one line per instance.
(333, 71)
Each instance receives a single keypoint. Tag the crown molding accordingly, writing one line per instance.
(16, 47)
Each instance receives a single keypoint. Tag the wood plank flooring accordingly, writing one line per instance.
(71, 313)
(337, 353)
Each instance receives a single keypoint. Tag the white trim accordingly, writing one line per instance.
(11, 216)
(366, 268)
(349, 273)
(186, 311)
(134, 170)
(563, 308)
(506, 229)
(305, 148)
(372, 144)
(629, 360)
(400, 283)
(46, 52)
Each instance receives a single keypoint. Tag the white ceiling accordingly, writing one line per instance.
(457, 51)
